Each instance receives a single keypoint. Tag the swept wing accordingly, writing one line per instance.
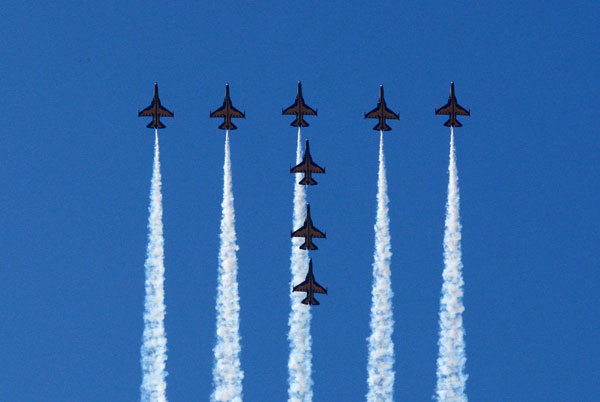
(308, 110)
(164, 112)
(220, 112)
(314, 232)
(292, 109)
(302, 232)
(373, 114)
(236, 113)
(446, 109)
(149, 111)
(461, 111)
(388, 114)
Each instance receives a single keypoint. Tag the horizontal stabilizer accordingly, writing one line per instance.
(160, 124)
(310, 246)
(305, 182)
(299, 122)
(450, 124)
(230, 126)
(382, 126)
(310, 300)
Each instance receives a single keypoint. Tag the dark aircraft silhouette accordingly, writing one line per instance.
(299, 108)
(227, 111)
(156, 111)
(308, 167)
(452, 108)
(381, 112)
(310, 286)
(308, 231)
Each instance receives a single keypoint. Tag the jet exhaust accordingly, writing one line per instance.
(154, 341)
(227, 372)
(300, 359)
(380, 366)
(451, 377)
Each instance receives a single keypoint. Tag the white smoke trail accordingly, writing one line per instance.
(227, 372)
(381, 348)
(154, 344)
(451, 379)
(299, 363)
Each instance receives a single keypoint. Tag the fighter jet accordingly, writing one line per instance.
(310, 286)
(227, 111)
(452, 108)
(381, 112)
(156, 111)
(299, 108)
(308, 167)
(308, 231)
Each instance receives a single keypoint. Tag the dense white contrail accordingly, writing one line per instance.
(154, 344)
(380, 365)
(227, 372)
(451, 378)
(299, 363)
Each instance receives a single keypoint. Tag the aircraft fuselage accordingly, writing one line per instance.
(307, 173)
(300, 112)
(156, 117)
(381, 113)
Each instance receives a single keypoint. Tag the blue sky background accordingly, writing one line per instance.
(75, 167)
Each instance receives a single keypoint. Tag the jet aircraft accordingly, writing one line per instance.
(156, 110)
(452, 108)
(381, 112)
(299, 108)
(227, 111)
(308, 231)
(308, 167)
(310, 286)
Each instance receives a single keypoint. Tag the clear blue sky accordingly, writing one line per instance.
(75, 167)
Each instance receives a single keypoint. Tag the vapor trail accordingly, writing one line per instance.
(451, 379)
(299, 363)
(154, 343)
(227, 372)
(380, 365)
